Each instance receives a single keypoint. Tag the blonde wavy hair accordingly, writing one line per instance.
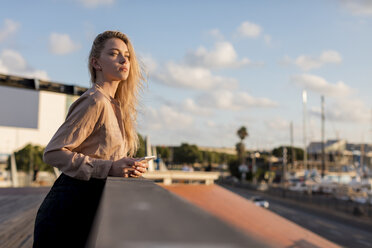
(128, 90)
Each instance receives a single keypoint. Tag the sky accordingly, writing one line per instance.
(213, 66)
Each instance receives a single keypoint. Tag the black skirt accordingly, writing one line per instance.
(66, 215)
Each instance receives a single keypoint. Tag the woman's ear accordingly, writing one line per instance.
(96, 65)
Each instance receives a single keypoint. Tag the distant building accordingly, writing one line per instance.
(339, 155)
(227, 150)
(32, 110)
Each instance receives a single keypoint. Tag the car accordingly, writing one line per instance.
(259, 201)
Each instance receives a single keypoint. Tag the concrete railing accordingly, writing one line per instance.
(138, 213)
(168, 177)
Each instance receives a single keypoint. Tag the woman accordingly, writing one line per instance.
(97, 139)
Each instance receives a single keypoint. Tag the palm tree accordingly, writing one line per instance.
(242, 134)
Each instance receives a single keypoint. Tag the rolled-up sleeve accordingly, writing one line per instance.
(82, 119)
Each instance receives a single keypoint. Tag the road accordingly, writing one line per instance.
(331, 228)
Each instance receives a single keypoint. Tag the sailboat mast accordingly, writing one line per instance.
(304, 101)
(323, 152)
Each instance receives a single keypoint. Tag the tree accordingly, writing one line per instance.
(299, 153)
(164, 152)
(240, 148)
(234, 169)
(187, 154)
(141, 148)
(242, 133)
(212, 157)
(30, 159)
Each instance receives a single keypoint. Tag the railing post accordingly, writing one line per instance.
(167, 181)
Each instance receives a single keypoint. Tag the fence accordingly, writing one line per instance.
(325, 201)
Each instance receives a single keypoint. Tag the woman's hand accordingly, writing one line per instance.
(128, 167)
(140, 167)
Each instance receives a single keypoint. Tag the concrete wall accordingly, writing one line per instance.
(18, 107)
(30, 116)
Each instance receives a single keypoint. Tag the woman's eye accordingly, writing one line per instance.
(114, 54)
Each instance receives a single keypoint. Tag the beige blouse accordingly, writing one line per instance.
(91, 137)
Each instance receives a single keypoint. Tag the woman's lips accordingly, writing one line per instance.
(123, 68)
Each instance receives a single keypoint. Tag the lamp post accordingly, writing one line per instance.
(304, 101)
(323, 151)
(284, 171)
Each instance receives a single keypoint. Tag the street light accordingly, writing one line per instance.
(304, 101)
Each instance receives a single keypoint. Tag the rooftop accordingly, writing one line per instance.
(37, 84)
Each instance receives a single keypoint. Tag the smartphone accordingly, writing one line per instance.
(146, 158)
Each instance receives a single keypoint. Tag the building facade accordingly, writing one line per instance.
(340, 156)
(31, 111)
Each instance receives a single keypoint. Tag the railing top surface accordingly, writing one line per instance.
(138, 213)
(186, 174)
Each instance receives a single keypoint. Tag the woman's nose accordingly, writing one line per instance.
(123, 60)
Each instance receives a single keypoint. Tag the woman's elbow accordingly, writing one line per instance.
(55, 157)
(49, 157)
(46, 157)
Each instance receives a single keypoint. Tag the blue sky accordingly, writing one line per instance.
(213, 66)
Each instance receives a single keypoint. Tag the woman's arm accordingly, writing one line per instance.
(83, 118)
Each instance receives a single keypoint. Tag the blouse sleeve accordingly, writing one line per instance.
(83, 117)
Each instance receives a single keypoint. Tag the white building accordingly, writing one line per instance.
(31, 111)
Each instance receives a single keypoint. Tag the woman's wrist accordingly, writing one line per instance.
(128, 167)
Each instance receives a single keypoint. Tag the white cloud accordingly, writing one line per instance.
(320, 85)
(149, 64)
(215, 33)
(166, 117)
(190, 106)
(222, 56)
(96, 3)
(9, 28)
(330, 56)
(12, 62)
(285, 61)
(177, 75)
(229, 100)
(249, 29)
(89, 30)
(307, 63)
(344, 110)
(220, 99)
(210, 123)
(200, 132)
(222, 134)
(277, 123)
(167, 125)
(267, 39)
(245, 118)
(358, 7)
(3, 68)
(61, 44)
(243, 99)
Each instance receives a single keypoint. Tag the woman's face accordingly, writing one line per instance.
(114, 61)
